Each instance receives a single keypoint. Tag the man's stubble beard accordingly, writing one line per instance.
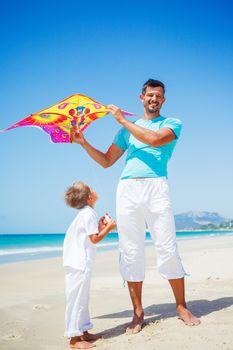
(153, 110)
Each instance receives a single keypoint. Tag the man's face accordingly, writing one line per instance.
(153, 99)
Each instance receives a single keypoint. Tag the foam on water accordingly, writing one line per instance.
(29, 250)
(20, 247)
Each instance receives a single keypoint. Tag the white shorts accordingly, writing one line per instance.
(77, 288)
(140, 202)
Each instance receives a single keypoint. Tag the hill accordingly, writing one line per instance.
(192, 220)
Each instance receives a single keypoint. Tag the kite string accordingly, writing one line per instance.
(92, 170)
(74, 122)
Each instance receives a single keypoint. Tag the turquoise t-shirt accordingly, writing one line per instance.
(143, 160)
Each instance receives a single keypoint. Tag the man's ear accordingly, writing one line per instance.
(142, 97)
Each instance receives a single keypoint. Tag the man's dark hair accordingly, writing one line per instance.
(152, 83)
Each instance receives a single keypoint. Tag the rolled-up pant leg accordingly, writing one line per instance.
(77, 288)
(131, 229)
(160, 220)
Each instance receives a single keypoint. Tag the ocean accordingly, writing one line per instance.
(22, 247)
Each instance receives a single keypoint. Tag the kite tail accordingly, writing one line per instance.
(128, 113)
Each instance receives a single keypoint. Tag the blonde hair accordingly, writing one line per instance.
(77, 195)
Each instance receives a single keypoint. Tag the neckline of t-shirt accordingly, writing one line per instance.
(155, 119)
(87, 206)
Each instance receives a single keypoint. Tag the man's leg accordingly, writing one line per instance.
(135, 291)
(131, 229)
(160, 220)
(185, 315)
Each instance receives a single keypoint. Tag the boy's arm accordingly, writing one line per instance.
(104, 230)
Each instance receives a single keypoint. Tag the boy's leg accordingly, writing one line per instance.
(77, 318)
(79, 343)
(82, 342)
(90, 337)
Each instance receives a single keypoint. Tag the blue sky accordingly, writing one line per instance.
(107, 50)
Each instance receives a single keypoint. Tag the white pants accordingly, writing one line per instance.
(77, 288)
(140, 202)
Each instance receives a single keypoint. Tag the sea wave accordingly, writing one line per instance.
(109, 244)
(47, 249)
(56, 250)
(202, 234)
(30, 250)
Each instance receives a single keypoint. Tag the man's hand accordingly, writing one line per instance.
(76, 135)
(117, 113)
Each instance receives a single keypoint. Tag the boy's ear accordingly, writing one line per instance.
(90, 197)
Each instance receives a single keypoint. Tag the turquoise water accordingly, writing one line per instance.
(20, 247)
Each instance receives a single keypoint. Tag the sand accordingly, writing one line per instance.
(32, 302)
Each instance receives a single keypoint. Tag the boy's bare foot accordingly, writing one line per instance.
(136, 325)
(90, 337)
(187, 317)
(79, 343)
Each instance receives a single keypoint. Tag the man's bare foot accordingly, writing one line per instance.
(136, 325)
(187, 317)
(90, 337)
(79, 343)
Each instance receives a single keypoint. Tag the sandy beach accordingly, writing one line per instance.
(32, 302)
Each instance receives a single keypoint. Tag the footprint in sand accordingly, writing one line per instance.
(40, 307)
(11, 337)
(12, 330)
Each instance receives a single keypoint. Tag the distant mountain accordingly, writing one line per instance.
(200, 220)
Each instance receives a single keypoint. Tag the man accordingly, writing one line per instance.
(143, 197)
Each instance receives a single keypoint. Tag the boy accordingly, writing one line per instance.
(78, 257)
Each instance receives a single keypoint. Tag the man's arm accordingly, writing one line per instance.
(104, 159)
(149, 137)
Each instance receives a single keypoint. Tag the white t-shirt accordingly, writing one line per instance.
(78, 250)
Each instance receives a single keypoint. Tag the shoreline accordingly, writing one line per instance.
(60, 233)
(32, 302)
(46, 251)
(209, 230)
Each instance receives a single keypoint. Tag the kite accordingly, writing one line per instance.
(58, 119)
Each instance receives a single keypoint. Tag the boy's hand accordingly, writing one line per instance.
(102, 224)
(104, 229)
(111, 224)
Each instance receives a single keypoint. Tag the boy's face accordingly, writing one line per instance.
(92, 197)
